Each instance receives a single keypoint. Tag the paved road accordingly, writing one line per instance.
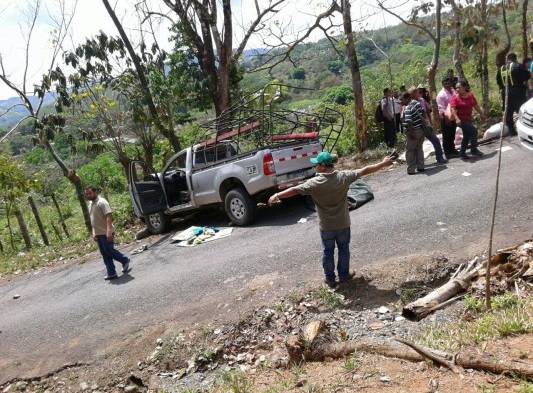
(70, 314)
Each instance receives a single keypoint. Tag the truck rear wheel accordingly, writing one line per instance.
(239, 206)
(157, 223)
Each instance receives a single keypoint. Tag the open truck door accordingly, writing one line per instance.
(148, 196)
(146, 189)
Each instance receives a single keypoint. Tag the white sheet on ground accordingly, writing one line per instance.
(187, 238)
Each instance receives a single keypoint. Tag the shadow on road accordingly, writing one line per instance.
(287, 213)
(124, 279)
(486, 156)
(434, 169)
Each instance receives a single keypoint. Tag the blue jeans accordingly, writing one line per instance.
(429, 133)
(341, 237)
(469, 136)
(109, 253)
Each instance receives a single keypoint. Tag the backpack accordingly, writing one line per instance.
(378, 114)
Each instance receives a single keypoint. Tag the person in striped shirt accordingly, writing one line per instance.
(413, 124)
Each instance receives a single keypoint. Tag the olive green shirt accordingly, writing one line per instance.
(330, 194)
(98, 210)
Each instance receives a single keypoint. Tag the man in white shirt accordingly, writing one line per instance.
(104, 233)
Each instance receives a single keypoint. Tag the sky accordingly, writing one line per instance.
(90, 17)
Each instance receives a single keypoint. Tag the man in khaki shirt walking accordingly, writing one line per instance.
(104, 233)
(329, 190)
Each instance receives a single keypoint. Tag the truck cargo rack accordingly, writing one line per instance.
(257, 121)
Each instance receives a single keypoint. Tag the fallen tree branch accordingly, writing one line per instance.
(459, 283)
(427, 353)
(321, 347)
(509, 265)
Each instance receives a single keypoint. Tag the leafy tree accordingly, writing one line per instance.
(340, 95)
(13, 185)
(298, 73)
(105, 173)
(336, 67)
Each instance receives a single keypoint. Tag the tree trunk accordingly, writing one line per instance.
(223, 95)
(432, 70)
(361, 134)
(143, 81)
(71, 175)
(484, 61)
(61, 218)
(76, 181)
(502, 53)
(23, 228)
(38, 220)
(1, 247)
(457, 43)
(525, 47)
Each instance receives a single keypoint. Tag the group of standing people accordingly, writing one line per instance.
(409, 111)
(456, 104)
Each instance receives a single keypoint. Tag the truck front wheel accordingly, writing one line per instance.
(240, 207)
(157, 223)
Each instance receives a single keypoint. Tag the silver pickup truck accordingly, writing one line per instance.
(238, 164)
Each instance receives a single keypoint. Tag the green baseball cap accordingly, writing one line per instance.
(323, 158)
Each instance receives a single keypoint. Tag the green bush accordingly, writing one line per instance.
(37, 156)
(298, 73)
(341, 95)
(105, 173)
(122, 210)
(336, 66)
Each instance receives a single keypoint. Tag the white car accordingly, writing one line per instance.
(524, 125)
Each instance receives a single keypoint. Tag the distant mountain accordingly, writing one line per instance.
(18, 112)
(250, 53)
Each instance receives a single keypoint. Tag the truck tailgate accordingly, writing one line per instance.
(294, 158)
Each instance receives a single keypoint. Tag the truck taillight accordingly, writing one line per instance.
(268, 165)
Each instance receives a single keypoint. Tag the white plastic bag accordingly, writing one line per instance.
(494, 131)
(458, 136)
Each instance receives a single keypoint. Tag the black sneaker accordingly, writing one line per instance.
(442, 161)
(109, 278)
(452, 154)
(476, 152)
(126, 267)
(465, 156)
(331, 284)
(421, 170)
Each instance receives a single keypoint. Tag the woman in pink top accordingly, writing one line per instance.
(462, 104)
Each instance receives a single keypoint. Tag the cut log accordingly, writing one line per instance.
(506, 263)
(459, 283)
